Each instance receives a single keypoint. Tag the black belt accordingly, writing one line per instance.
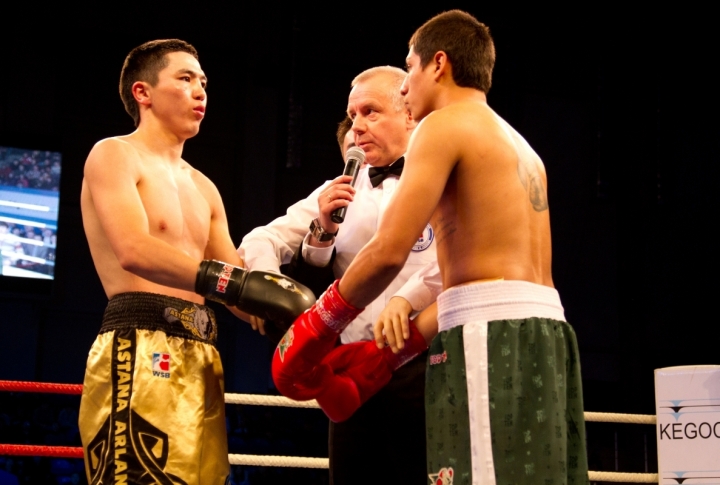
(151, 311)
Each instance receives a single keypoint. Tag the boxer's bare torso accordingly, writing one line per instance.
(492, 219)
(148, 216)
(478, 182)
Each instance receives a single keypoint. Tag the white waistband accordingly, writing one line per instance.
(497, 300)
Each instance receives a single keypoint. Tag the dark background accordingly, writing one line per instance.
(620, 103)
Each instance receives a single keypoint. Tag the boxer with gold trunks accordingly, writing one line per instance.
(152, 409)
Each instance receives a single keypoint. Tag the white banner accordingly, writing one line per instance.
(687, 403)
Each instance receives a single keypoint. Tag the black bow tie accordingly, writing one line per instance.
(378, 174)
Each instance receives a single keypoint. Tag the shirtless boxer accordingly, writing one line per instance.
(503, 395)
(152, 409)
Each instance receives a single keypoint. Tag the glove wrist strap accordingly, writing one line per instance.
(414, 346)
(218, 281)
(333, 312)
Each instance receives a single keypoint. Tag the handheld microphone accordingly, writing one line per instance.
(354, 158)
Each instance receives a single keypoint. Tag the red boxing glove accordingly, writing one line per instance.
(359, 371)
(295, 367)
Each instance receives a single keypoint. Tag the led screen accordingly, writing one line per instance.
(29, 201)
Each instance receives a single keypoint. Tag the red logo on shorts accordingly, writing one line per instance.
(443, 477)
(438, 359)
(161, 364)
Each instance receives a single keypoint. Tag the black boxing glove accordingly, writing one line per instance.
(267, 295)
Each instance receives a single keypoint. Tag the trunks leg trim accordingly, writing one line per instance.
(475, 336)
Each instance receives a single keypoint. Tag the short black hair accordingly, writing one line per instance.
(143, 63)
(467, 43)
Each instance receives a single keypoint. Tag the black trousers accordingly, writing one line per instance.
(384, 441)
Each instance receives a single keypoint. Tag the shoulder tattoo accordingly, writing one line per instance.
(532, 182)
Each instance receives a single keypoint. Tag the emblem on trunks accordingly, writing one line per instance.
(438, 358)
(443, 477)
(161, 365)
(425, 239)
(286, 285)
(285, 343)
(196, 320)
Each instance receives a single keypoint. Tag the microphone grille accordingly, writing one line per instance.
(356, 153)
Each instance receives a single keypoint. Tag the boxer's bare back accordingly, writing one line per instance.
(492, 219)
(479, 183)
(487, 184)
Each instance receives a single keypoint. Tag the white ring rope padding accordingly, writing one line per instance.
(304, 462)
(623, 477)
(621, 418)
(263, 400)
(286, 461)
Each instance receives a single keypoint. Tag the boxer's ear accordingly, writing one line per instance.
(410, 123)
(141, 92)
(441, 65)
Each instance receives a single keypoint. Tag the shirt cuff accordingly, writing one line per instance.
(259, 262)
(419, 297)
(316, 256)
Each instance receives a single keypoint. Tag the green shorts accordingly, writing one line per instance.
(504, 395)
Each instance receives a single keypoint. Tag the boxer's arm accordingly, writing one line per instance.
(255, 293)
(431, 157)
(111, 174)
(220, 246)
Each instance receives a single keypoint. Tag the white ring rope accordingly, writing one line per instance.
(263, 400)
(286, 461)
(620, 418)
(303, 462)
(623, 477)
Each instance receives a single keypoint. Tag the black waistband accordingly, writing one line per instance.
(150, 311)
